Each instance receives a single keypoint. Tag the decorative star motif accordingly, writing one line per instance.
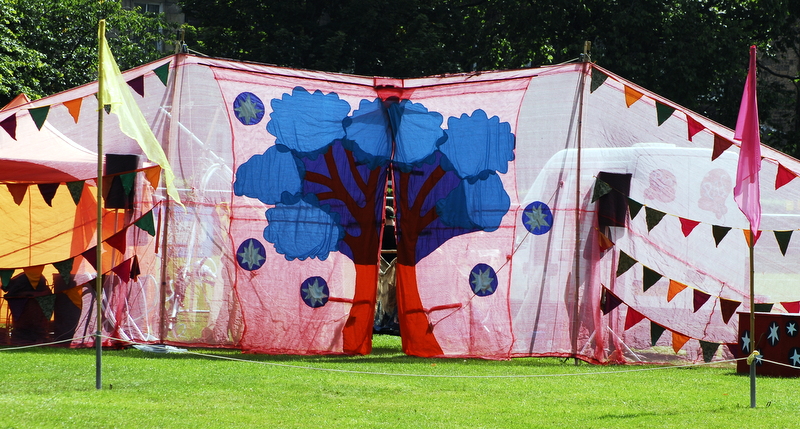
(773, 333)
(482, 281)
(248, 110)
(746, 342)
(795, 357)
(791, 329)
(536, 218)
(314, 293)
(251, 256)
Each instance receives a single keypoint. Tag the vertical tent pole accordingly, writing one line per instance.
(752, 324)
(98, 286)
(581, 87)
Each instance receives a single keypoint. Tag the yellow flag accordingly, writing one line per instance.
(115, 92)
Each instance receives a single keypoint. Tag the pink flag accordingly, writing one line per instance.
(746, 193)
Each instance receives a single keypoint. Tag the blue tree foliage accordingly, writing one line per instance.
(368, 134)
(475, 205)
(303, 230)
(307, 123)
(417, 132)
(266, 177)
(477, 146)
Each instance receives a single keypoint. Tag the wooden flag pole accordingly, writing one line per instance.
(752, 324)
(98, 289)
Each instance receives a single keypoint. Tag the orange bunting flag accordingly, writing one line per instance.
(748, 234)
(74, 108)
(694, 126)
(632, 318)
(678, 341)
(34, 274)
(153, 175)
(783, 176)
(605, 242)
(674, 289)
(631, 95)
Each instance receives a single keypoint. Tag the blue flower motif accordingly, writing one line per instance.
(251, 254)
(537, 218)
(248, 108)
(314, 292)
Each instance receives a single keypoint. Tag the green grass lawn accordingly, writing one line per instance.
(47, 387)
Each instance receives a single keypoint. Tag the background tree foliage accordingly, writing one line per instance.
(50, 46)
(692, 52)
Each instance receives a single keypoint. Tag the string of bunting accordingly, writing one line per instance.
(665, 111)
(653, 217)
(39, 114)
(609, 301)
(49, 190)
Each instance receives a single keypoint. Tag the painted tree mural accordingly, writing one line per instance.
(325, 179)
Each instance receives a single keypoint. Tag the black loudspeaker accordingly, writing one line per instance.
(612, 208)
(116, 197)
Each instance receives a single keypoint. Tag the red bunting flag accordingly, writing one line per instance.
(687, 225)
(721, 144)
(792, 307)
(123, 270)
(10, 125)
(119, 240)
(700, 298)
(728, 307)
(783, 176)
(18, 191)
(694, 126)
(137, 84)
(632, 318)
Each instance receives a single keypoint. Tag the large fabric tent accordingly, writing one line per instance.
(553, 211)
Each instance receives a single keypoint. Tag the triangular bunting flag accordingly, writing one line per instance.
(127, 181)
(719, 233)
(598, 78)
(694, 126)
(783, 176)
(687, 225)
(76, 190)
(18, 191)
(146, 223)
(609, 301)
(137, 84)
(632, 318)
(153, 175)
(74, 108)
(747, 236)
(791, 307)
(631, 95)
(625, 263)
(678, 341)
(709, 350)
(700, 298)
(633, 208)
(674, 289)
(34, 274)
(653, 217)
(162, 72)
(649, 278)
(600, 188)
(47, 303)
(65, 269)
(135, 271)
(123, 270)
(721, 144)
(765, 307)
(48, 191)
(10, 125)
(728, 307)
(39, 115)
(75, 295)
(119, 240)
(91, 257)
(5, 277)
(663, 112)
(655, 333)
(604, 241)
